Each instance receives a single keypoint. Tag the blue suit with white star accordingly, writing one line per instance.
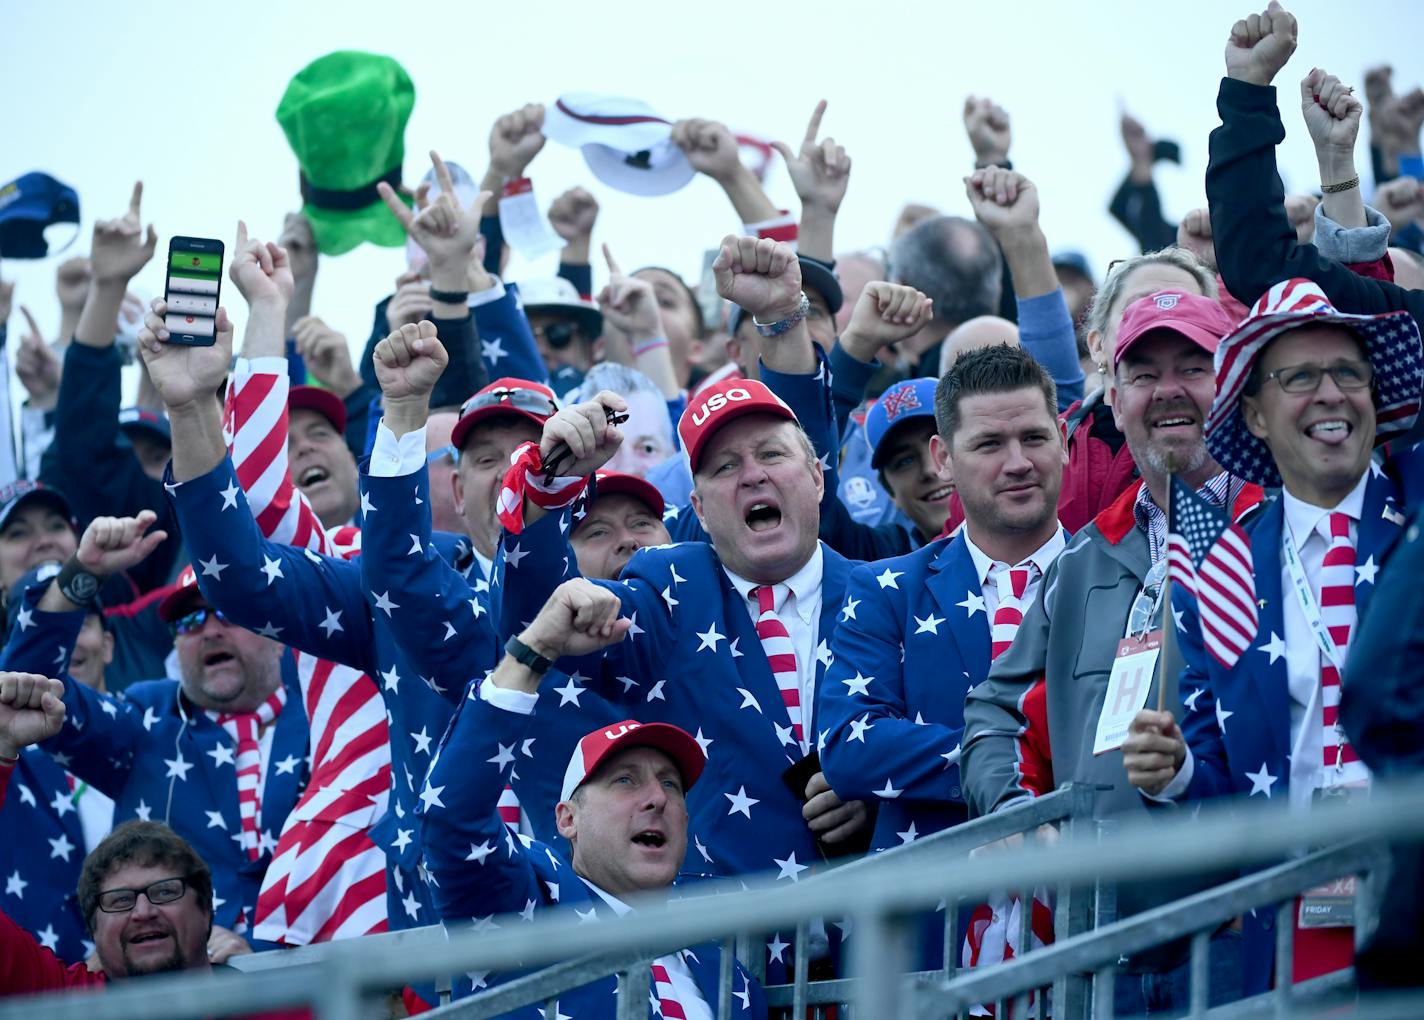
(692, 658)
(1237, 722)
(433, 600)
(41, 855)
(163, 759)
(318, 604)
(912, 639)
(484, 871)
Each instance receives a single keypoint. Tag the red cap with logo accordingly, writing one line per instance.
(182, 599)
(715, 406)
(1200, 319)
(323, 402)
(507, 396)
(595, 748)
(610, 483)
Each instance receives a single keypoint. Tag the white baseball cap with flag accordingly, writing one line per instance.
(625, 142)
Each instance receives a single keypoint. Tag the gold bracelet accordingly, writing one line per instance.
(1335, 189)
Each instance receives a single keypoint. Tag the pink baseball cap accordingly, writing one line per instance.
(1200, 319)
(595, 748)
(715, 406)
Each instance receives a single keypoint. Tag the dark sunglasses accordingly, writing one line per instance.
(558, 335)
(193, 622)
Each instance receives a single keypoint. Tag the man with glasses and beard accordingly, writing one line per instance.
(1031, 724)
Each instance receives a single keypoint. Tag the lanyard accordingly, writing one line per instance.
(1308, 605)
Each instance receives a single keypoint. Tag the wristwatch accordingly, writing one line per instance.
(77, 584)
(449, 297)
(528, 657)
(781, 326)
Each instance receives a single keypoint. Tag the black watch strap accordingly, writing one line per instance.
(449, 297)
(77, 584)
(526, 656)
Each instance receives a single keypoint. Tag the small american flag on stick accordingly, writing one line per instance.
(1211, 557)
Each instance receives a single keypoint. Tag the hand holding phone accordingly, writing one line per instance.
(192, 289)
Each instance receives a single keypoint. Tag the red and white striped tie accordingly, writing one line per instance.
(668, 1002)
(509, 807)
(781, 654)
(1338, 613)
(246, 729)
(1012, 583)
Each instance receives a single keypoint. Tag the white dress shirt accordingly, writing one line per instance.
(797, 604)
(1042, 558)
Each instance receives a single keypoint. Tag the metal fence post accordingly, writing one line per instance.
(633, 991)
(880, 958)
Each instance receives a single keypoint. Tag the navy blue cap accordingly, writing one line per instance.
(901, 403)
(29, 204)
(21, 491)
(817, 276)
(146, 419)
(1076, 261)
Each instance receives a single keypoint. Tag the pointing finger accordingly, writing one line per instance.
(612, 263)
(442, 174)
(136, 199)
(813, 127)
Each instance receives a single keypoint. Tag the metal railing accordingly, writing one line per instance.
(347, 979)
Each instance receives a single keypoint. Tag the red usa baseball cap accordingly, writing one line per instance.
(506, 396)
(597, 747)
(323, 402)
(1200, 319)
(710, 409)
(609, 483)
(183, 598)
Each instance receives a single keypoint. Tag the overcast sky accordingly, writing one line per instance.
(183, 97)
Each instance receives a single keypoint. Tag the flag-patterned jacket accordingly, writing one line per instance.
(692, 658)
(162, 759)
(429, 599)
(910, 641)
(482, 870)
(41, 853)
(317, 604)
(1237, 722)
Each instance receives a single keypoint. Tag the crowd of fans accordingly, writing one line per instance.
(561, 593)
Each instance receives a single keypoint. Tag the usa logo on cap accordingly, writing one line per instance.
(597, 747)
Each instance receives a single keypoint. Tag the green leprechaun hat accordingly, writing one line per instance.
(344, 115)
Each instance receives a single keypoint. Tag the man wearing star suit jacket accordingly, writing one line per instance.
(1306, 393)
(621, 807)
(690, 604)
(167, 750)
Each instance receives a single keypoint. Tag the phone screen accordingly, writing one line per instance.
(194, 282)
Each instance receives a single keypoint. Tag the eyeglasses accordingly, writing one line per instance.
(121, 901)
(557, 334)
(194, 621)
(1140, 617)
(1348, 375)
(522, 399)
(441, 453)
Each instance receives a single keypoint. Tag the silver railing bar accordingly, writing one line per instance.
(1095, 949)
(1190, 843)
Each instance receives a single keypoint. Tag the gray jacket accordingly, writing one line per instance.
(1068, 639)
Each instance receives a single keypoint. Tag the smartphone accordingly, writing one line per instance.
(191, 290)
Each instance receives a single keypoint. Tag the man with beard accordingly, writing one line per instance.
(1030, 726)
(146, 895)
(218, 755)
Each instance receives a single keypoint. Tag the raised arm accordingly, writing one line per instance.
(712, 150)
(633, 330)
(820, 172)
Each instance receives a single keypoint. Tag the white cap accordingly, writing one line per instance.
(626, 144)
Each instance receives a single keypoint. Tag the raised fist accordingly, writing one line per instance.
(1260, 45)
(180, 373)
(515, 140)
(121, 248)
(1139, 145)
(584, 428)
(409, 362)
(261, 271)
(31, 710)
(1332, 113)
(573, 214)
(1004, 201)
(761, 275)
(987, 125)
(1401, 201)
(885, 314)
(711, 147)
(71, 282)
(1194, 234)
(820, 171)
(327, 355)
(113, 544)
(580, 617)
